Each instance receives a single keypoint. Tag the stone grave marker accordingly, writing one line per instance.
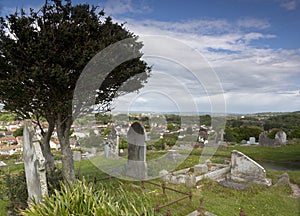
(280, 137)
(34, 163)
(136, 166)
(244, 169)
(112, 144)
(252, 140)
(76, 155)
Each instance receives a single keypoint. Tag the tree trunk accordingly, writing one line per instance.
(63, 127)
(46, 147)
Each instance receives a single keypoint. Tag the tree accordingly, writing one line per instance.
(44, 53)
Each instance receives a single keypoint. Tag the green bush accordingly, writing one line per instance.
(84, 199)
(14, 191)
(123, 143)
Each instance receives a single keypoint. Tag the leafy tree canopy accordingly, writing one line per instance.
(43, 53)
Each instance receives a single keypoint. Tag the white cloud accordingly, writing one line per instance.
(253, 23)
(247, 73)
(289, 4)
(115, 7)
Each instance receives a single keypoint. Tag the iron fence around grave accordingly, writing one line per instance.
(95, 180)
(164, 188)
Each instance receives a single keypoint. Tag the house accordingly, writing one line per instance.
(8, 140)
(54, 144)
(10, 149)
(8, 134)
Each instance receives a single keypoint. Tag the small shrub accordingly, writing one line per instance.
(83, 199)
(14, 191)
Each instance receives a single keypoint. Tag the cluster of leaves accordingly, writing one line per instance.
(86, 199)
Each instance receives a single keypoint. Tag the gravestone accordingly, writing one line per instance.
(112, 144)
(136, 166)
(244, 169)
(76, 155)
(106, 150)
(252, 140)
(280, 137)
(34, 163)
(266, 141)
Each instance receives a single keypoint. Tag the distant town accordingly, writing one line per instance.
(163, 131)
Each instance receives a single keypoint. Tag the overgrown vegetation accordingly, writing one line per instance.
(87, 199)
(13, 188)
(258, 200)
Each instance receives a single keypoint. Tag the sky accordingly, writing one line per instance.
(233, 56)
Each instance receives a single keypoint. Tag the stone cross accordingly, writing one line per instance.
(136, 165)
(34, 163)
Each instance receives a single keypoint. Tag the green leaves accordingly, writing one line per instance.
(86, 199)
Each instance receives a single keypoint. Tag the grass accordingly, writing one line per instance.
(3, 206)
(258, 200)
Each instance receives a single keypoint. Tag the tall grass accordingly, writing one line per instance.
(84, 199)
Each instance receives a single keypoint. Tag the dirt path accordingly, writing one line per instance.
(296, 191)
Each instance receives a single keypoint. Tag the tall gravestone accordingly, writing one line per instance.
(280, 137)
(111, 148)
(136, 166)
(34, 163)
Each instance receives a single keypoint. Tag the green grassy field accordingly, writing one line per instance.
(257, 200)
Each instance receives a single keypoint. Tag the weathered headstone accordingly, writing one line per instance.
(280, 137)
(112, 144)
(136, 166)
(243, 142)
(244, 169)
(266, 141)
(76, 155)
(106, 150)
(284, 179)
(252, 140)
(34, 163)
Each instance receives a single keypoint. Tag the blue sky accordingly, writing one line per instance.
(252, 46)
